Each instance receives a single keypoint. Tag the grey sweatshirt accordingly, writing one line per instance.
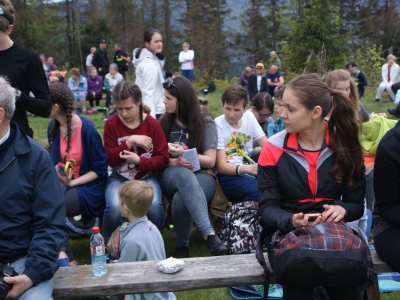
(142, 241)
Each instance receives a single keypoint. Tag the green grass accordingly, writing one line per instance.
(198, 247)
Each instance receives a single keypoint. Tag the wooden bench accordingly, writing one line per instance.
(198, 273)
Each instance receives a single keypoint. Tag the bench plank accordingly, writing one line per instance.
(143, 277)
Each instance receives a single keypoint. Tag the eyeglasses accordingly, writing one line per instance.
(263, 116)
(259, 68)
(170, 82)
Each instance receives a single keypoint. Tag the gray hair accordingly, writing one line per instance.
(247, 70)
(275, 67)
(114, 66)
(7, 97)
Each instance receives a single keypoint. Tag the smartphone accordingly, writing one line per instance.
(313, 216)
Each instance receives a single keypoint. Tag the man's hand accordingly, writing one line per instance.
(21, 284)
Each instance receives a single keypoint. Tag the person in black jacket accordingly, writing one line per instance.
(313, 166)
(387, 198)
(121, 58)
(100, 59)
(32, 210)
(256, 82)
(358, 77)
(24, 70)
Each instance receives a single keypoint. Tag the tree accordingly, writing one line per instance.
(254, 37)
(318, 29)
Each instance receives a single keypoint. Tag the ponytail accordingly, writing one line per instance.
(344, 127)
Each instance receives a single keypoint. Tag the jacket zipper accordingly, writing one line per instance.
(7, 164)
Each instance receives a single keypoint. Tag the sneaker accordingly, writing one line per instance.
(181, 252)
(377, 100)
(216, 246)
(394, 112)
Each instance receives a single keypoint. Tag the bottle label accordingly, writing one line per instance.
(99, 250)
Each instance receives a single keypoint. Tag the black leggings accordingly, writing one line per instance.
(387, 245)
(96, 97)
(71, 201)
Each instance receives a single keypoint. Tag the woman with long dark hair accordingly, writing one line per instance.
(149, 62)
(313, 166)
(186, 126)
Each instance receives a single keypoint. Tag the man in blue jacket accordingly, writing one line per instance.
(32, 208)
(359, 78)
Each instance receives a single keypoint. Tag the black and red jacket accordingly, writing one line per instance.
(289, 181)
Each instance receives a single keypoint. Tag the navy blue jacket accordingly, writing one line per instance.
(362, 82)
(94, 158)
(252, 85)
(32, 209)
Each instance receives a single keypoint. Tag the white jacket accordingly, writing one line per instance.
(149, 78)
(186, 59)
(394, 73)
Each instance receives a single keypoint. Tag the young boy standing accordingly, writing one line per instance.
(140, 240)
(237, 129)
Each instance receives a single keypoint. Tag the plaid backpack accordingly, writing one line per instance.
(241, 227)
(328, 255)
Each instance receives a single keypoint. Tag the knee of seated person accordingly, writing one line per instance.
(183, 174)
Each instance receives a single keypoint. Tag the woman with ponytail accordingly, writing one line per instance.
(149, 63)
(137, 150)
(76, 137)
(313, 166)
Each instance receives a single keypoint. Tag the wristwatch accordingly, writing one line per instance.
(16, 95)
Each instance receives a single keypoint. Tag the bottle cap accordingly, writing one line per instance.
(185, 147)
(95, 230)
(60, 164)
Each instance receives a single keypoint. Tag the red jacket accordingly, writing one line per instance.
(290, 182)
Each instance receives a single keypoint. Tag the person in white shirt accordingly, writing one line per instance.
(237, 130)
(186, 57)
(89, 59)
(149, 63)
(390, 75)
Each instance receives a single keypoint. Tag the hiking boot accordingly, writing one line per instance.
(394, 112)
(377, 100)
(181, 252)
(216, 246)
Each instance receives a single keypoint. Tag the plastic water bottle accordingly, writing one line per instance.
(97, 249)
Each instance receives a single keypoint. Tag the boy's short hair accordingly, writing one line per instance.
(75, 71)
(279, 93)
(235, 94)
(137, 195)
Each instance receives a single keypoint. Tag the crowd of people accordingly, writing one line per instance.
(309, 159)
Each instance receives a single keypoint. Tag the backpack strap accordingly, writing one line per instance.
(267, 274)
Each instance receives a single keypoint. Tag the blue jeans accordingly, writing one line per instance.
(190, 193)
(112, 216)
(78, 96)
(189, 74)
(42, 291)
(243, 187)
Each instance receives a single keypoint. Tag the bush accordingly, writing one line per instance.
(369, 61)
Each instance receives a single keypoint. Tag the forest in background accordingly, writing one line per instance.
(308, 35)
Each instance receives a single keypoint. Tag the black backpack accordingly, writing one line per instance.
(241, 227)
